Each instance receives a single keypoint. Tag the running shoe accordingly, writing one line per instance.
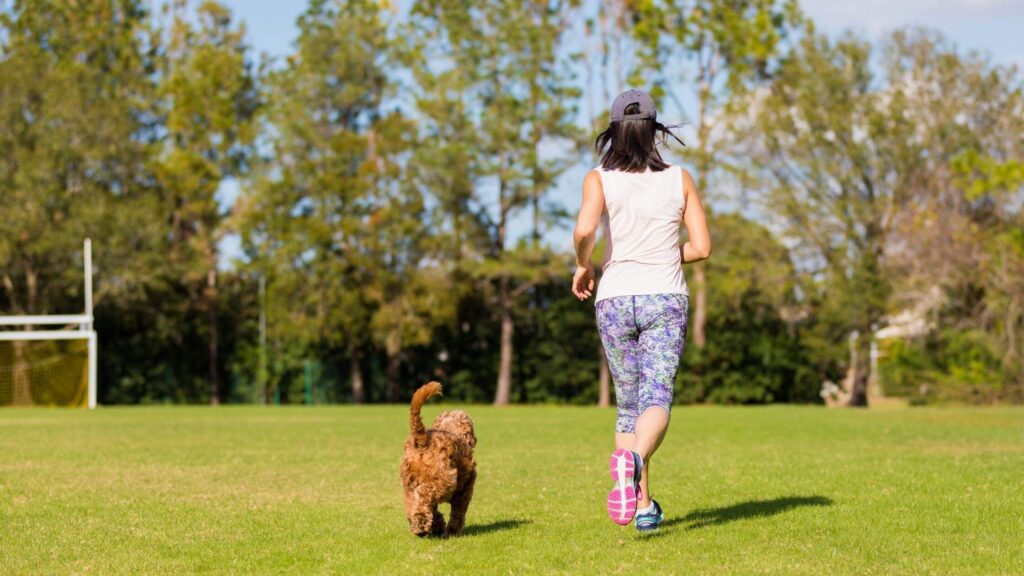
(625, 466)
(651, 521)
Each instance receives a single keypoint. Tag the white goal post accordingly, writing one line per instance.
(83, 329)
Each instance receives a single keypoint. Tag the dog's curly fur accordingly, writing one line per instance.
(437, 466)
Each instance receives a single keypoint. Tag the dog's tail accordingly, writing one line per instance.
(419, 433)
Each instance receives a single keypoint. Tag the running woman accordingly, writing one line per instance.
(642, 299)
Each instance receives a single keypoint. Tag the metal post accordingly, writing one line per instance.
(873, 385)
(88, 281)
(874, 357)
(309, 383)
(853, 348)
(263, 340)
(92, 369)
(92, 341)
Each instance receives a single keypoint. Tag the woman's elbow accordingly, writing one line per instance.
(582, 232)
(700, 251)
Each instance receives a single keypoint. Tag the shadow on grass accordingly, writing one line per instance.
(704, 517)
(497, 526)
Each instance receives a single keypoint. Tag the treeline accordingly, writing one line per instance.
(396, 209)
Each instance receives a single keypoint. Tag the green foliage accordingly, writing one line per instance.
(493, 89)
(951, 365)
(871, 188)
(904, 369)
(76, 104)
(327, 220)
(754, 358)
(208, 98)
(970, 364)
(742, 38)
(398, 203)
(981, 175)
(830, 183)
(755, 355)
(559, 348)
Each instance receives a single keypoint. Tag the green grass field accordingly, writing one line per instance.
(771, 490)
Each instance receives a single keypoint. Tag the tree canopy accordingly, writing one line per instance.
(393, 184)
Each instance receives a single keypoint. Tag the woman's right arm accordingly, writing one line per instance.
(585, 234)
(698, 247)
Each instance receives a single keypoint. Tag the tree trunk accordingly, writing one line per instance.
(355, 371)
(504, 392)
(604, 382)
(699, 305)
(32, 288)
(21, 395)
(859, 389)
(21, 381)
(708, 71)
(11, 295)
(394, 373)
(860, 368)
(211, 300)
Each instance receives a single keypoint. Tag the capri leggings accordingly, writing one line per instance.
(643, 339)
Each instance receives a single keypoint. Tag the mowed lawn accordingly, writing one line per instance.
(765, 490)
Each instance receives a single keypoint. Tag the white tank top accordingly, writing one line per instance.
(642, 214)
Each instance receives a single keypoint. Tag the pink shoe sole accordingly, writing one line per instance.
(623, 497)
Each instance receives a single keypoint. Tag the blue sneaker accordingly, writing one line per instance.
(650, 522)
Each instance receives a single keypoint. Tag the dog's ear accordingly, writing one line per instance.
(468, 433)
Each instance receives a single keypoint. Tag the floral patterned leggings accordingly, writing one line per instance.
(643, 339)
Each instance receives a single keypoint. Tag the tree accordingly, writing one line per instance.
(848, 179)
(411, 297)
(507, 97)
(76, 124)
(969, 114)
(208, 96)
(309, 218)
(731, 47)
(837, 175)
(758, 354)
(75, 127)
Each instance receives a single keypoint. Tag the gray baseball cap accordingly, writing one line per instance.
(647, 110)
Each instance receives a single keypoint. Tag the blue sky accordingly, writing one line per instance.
(993, 27)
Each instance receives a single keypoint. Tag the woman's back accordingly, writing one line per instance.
(643, 213)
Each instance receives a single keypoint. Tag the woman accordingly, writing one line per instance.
(642, 298)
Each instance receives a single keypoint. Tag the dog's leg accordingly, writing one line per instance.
(460, 503)
(437, 528)
(410, 500)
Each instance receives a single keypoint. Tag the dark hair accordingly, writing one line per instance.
(632, 145)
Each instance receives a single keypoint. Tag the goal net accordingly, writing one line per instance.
(43, 366)
(44, 372)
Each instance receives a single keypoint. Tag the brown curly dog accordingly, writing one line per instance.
(437, 466)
